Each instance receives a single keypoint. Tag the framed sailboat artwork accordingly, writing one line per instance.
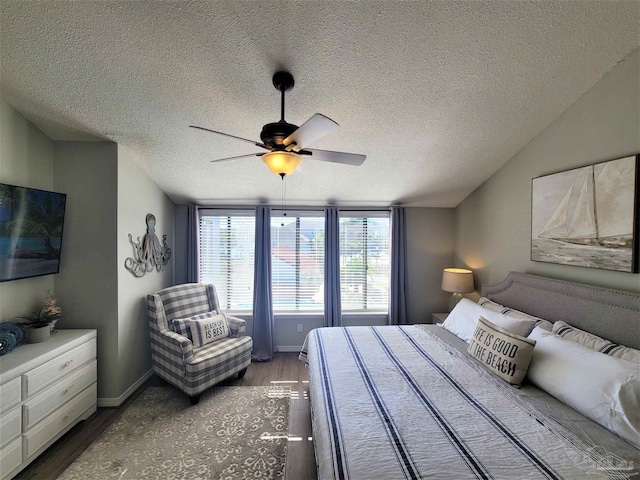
(588, 216)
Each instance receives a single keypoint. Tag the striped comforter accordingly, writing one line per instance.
(393, 403)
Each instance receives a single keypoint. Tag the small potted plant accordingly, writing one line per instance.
(40, 323)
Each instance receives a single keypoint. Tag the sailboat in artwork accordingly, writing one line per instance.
(590, 212)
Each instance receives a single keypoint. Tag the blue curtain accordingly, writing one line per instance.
(398, 293)
(263, 348)
(332, 304)
(193, 234)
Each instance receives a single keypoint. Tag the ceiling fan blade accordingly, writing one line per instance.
(258, 144)
(316, 127)
(335, 157)
(238, 157)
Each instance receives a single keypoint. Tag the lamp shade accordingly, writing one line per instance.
(282, 163)
(457, 280)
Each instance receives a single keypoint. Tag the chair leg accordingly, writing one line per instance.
(242, 372)
(194, 399)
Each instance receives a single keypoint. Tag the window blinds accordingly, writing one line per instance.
(364, 261)
(297, 261)
(227, 241)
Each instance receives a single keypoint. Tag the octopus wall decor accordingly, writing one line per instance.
(148, 253)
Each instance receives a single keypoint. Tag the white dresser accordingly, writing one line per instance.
(45, 389)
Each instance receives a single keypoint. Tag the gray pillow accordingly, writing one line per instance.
(596, 343)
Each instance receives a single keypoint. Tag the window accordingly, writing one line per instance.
(227, 241)
(364, 261)
(297, 261)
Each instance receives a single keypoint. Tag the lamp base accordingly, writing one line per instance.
(453, 301)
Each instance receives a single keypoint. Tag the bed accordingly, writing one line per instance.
(408, 401)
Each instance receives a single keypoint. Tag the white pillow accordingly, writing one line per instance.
(464, 317)
(595, 342)
(511, 312)
(601, 387)
(208, 330)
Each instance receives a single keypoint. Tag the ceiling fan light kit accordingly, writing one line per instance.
(282, 163)
(286, 143)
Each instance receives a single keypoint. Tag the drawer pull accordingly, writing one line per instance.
(68, 389)
(67, 363)
(69, 414)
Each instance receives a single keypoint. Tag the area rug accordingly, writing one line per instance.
(233, 433)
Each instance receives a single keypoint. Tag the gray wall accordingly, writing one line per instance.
(108, 196)
(430, 234)
(493, 224)
(137, 196)
(87, 286)
(26, 159)
(180, 252)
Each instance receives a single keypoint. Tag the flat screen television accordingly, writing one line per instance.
(31, 223)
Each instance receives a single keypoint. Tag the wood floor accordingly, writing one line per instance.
(285, 369)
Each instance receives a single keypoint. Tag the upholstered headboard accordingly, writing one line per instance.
(611, 314)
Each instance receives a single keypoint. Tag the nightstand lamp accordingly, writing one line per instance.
(457, 281)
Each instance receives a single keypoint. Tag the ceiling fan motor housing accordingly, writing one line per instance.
(274, 133)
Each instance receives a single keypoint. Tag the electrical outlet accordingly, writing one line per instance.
(299, 327)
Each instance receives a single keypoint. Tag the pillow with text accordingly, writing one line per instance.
(209, 330)
(504, 353)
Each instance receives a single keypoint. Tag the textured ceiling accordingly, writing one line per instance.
(437, 94)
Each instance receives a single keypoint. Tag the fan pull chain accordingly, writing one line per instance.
(284, 212)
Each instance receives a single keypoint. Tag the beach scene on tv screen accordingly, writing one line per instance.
(31, 223)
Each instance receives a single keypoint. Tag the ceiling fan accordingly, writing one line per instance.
(286, 144)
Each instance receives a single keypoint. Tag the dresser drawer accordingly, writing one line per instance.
(38, 436)
(10, 457)
(56, 395)
(10, 394)
(10, 425)
(44, 375)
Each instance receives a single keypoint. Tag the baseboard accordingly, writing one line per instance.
(289, 348)
(117, 401)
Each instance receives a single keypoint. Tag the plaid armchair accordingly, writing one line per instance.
(174, 357)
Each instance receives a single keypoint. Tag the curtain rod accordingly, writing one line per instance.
(302, 208)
